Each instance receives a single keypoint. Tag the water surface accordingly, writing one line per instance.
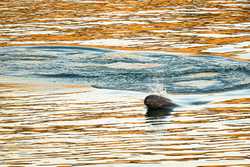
(63, 102)
(215, 27)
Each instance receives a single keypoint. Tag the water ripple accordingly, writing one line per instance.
(126, 70)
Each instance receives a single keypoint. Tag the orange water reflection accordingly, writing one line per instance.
(70, 125)
(186, 26)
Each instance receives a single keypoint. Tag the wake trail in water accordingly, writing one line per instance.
(124, 70)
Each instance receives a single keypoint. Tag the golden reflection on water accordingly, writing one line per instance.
(71, 125)
(187, 26)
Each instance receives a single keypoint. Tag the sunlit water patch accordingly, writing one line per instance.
(52, 124)
(186, 26)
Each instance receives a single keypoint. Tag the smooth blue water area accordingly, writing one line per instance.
(118, 69)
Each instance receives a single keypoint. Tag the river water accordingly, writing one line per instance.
(74, 74)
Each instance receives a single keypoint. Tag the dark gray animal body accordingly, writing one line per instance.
(158, 106)
(155, 102)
